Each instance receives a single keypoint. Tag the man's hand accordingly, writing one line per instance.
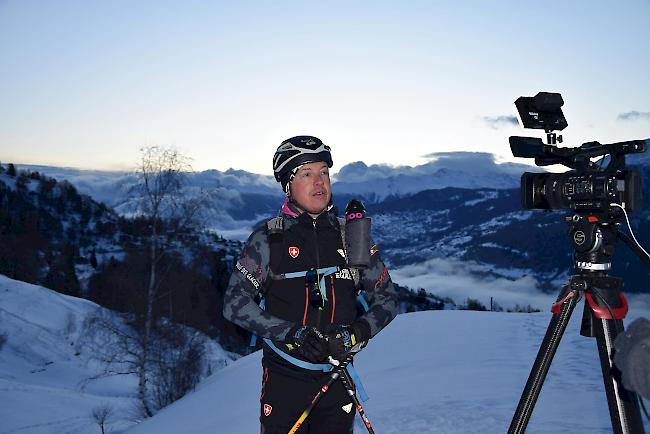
(344, 340)
(309, 343)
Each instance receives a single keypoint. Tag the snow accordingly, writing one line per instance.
(45, 365)
(486, 195)
(428, 372)
(41, 368)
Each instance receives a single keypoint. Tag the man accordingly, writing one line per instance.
(295, 268)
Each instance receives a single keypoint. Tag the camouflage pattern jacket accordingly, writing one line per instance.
(304, 243)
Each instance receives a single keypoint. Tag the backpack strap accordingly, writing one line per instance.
(353, 271)
(274, 230)
(275, 226)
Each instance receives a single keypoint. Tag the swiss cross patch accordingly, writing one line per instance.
(267, 409)
(294, 251)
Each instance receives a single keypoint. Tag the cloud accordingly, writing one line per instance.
(634, 116)
(461, 279)
(498, 122)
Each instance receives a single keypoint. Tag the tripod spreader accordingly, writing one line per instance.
(602, 286)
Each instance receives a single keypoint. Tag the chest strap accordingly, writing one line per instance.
(322, 273)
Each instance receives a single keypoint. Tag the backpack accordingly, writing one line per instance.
(275, 231)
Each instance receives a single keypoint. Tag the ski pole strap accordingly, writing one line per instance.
(363, 396)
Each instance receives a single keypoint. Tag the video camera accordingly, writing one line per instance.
(590, 186)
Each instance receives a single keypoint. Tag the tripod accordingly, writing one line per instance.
(593, 239)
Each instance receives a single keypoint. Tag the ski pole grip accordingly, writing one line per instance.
(340, 364)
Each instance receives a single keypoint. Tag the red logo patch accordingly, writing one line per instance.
(294, 251)
(267, 409)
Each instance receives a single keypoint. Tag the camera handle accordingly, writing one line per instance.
(552, 138)
(604, 310)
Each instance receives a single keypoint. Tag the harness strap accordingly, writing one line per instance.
(324, 367)
(322, 273)
(362, 300)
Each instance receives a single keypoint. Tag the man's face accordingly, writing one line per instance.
(311, 188)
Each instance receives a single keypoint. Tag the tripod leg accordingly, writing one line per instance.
(623, 404)
(562, 311)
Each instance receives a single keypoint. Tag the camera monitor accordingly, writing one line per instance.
(542, 111)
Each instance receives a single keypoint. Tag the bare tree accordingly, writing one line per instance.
(175, 359)
(161, 175)
(178, 363)
(169, 213)
(101, 415)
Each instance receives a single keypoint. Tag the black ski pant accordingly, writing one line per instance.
(287, 392)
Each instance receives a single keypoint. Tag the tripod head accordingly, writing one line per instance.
(592, 241)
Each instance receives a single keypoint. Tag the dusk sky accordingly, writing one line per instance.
(87, 83)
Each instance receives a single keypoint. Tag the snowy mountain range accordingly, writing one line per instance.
(427, 372)
(467, 170)
(460, 210)
(374, 183)
(238, 200)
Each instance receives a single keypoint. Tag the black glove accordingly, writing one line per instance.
(347, 340)
(632, 357)
(308, 342)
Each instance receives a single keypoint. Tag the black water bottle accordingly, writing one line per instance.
(357, 235)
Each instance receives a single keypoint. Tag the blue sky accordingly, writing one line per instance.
(86, 83)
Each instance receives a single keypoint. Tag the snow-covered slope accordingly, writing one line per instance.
(428, 372)
(45, 362)
(42, 368)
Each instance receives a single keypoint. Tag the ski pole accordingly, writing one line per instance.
(333, 377)
(348, 383)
